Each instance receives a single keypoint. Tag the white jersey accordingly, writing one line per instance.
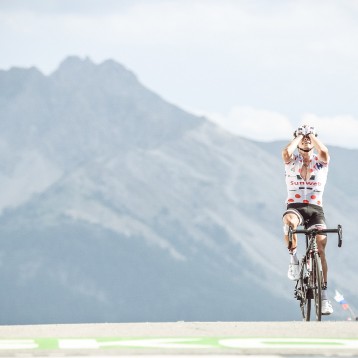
(300, 190)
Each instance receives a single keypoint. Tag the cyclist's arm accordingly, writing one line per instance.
(287, 152)
(322, 150)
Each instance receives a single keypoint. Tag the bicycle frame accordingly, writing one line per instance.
(309, 284)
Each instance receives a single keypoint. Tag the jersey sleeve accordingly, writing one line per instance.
(293, 158)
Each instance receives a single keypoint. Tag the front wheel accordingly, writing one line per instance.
(317, 285)
(304, 293)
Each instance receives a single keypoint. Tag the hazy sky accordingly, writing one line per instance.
(257, 67)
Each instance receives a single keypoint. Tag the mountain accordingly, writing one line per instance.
(117, 206)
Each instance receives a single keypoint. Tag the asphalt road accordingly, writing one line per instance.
(188, 339)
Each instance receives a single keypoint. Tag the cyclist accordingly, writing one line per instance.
(306, 175)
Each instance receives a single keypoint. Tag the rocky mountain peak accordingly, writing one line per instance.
(116, 205)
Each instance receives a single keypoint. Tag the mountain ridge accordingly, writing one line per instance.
(140, 211)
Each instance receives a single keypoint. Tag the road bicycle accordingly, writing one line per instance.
(309, 284)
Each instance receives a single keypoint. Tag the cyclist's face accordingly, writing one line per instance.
(306, 143)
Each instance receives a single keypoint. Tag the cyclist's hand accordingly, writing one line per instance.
(300, 131)
(311, 130)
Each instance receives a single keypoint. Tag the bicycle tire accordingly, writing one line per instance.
(305, 299)
(317, 282)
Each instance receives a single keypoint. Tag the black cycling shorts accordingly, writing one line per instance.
(310, 215)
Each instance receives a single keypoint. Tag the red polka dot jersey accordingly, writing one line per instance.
(308, 191)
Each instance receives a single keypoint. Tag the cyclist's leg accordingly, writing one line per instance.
(291, 218)
(321, 244)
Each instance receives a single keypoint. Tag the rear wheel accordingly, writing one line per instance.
(317, 285)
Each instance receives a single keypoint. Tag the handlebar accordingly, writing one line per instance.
(317, 232)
